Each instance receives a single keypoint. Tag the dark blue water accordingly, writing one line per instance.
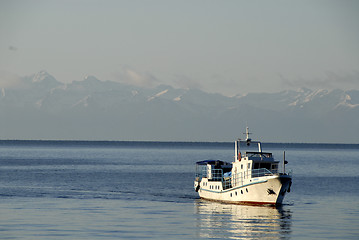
(135, 190)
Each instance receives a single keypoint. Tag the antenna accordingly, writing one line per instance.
(248, 140)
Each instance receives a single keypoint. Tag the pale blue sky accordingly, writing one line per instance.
(219, 46)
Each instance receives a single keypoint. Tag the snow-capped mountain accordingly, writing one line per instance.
(44, 108)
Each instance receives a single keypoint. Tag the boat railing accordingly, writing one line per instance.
(260, 172)
(290, 172)
(213, 174)
(201, 172)
(239, 178)
(217, 174)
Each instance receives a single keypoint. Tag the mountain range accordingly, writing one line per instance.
(40, 107)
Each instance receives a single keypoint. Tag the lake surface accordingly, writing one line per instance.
(144, 190)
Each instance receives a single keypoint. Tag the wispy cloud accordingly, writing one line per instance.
(134, 77)
(9, 80)
(185, 82)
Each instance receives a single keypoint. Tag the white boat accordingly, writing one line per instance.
(252, 178)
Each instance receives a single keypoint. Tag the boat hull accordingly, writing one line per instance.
(267, 191)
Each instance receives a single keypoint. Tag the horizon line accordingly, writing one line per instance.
(165, 141)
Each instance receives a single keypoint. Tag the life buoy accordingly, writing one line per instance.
(239, 156)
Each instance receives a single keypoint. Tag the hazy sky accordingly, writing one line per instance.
(218, 46)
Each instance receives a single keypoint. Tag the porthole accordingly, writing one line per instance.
(231, 194)
(236, 193)
(241, 192)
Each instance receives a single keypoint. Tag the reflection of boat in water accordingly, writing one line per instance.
(234, 221)
(253, 178)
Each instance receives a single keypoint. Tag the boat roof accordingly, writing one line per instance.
(205, 162)
(263, 153)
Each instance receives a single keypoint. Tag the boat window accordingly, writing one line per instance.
(266, 165)
(274, 167)
(241, 166)
(249, 166)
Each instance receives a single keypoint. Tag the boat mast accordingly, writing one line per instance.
(237, 150)
(283, 161)
(248, 140)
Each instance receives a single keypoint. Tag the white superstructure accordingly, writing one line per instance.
(252, 178)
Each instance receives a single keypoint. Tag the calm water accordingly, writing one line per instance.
(117, 190)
